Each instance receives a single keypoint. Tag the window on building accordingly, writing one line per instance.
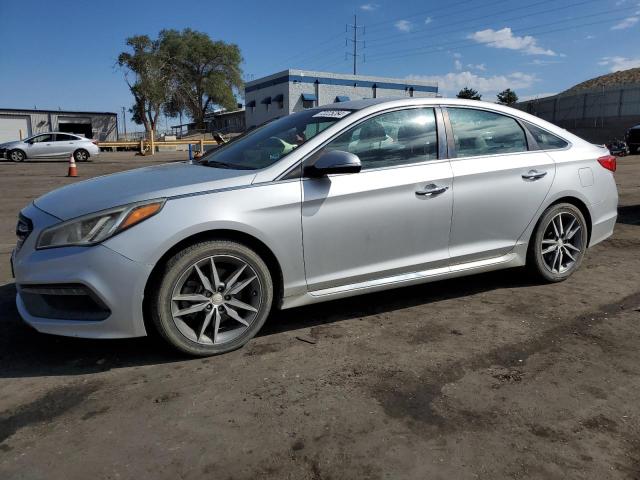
(266, 102)
(544, 139)
(479, 133)
(279, 100)
(309, 100)
(374, 90)
(392, 139)
(411, 91)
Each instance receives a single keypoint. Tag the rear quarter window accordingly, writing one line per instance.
(544, 139)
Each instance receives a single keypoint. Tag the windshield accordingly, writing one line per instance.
(267, 144)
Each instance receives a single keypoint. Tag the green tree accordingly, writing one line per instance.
(205, 73)
(469, 93)
(148, 76)
(507, 97)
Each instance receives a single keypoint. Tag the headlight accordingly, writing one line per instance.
(97, 227)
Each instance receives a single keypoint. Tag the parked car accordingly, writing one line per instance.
(632, 138)
(51, 144)
(327, 203)
(618, 148)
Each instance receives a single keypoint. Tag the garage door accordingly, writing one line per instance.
(10, 127)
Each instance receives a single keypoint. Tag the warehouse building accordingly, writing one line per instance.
(16, 124)
(292, 91)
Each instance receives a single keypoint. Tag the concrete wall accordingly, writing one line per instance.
(597, 115)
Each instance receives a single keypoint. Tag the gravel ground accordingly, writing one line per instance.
(489, 376)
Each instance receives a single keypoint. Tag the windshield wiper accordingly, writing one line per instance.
(216, 164)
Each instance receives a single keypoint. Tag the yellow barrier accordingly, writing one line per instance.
(146, 146)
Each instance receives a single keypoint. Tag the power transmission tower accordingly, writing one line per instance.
(354, 40)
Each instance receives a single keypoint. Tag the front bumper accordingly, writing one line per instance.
(114, 281)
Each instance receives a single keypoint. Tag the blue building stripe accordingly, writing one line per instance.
(339, 81)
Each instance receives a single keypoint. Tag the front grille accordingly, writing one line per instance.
(72, 301)
(23, 229)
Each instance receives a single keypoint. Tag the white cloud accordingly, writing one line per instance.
(543, 63)
(479, 66)
(458, 64)
(403, 25)
(626, 23)
(457, 55)
(428, 20)
(619, 63)
(369, 7)
(451, 83)
(505, 38)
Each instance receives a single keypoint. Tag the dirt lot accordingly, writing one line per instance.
(481, 377)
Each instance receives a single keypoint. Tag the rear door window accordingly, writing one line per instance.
(63, 137)
(480, 133)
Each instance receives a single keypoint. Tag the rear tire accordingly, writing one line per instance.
(220, 312)
(558, 245)
(81, 155)
(17, 155)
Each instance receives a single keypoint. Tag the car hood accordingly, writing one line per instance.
(8, 145)
(167, 180)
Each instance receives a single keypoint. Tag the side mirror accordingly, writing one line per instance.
(335, 161)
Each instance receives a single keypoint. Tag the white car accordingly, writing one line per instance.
(51, 144)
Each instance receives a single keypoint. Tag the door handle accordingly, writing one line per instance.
(533, 175)
(431, 189)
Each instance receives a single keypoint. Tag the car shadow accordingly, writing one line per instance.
(395, 299)
(24, 352)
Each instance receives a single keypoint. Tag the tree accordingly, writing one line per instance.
(469, 93)
(148, 77)
(205, 73)
(507, 97)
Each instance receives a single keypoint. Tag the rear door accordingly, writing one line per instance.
(64, 144)
(381, 222)
(499, 183)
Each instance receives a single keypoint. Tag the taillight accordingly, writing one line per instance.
(608, 162)
(95, 142)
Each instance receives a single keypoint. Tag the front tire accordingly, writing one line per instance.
(81, 155)
(212, 297)
(17, 155)
(558, 244)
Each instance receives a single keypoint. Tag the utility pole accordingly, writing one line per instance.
(124, 123)
(354, 40)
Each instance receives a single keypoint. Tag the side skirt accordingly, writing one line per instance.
(515, 258)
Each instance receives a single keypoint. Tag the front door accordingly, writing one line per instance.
(499, 184)
(393, 217)
(40, 146)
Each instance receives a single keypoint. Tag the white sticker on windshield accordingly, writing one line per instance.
(332, 113)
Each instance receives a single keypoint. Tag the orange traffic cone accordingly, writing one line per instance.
(73, 170)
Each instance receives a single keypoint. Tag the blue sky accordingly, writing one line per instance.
(62, 54)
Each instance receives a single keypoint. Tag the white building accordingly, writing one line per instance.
(292, 91)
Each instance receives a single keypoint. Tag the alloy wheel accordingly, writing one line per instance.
(216, 299)
(562, 243)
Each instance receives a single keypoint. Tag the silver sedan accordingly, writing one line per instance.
(330, 202)
(51, 144)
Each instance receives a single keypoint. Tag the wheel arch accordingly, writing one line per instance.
(19, 150)
(219, 234)
(576, 202)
